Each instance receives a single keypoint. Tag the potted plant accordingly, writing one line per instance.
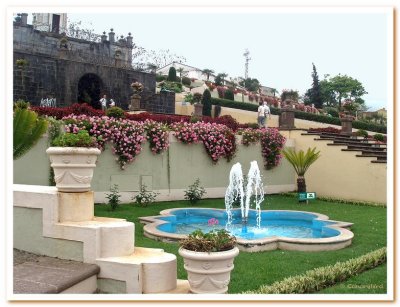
(301, 162)
(73, 158)
(208, 260)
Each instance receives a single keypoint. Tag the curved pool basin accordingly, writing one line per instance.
(279, 229)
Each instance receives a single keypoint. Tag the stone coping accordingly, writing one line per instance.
(269, 243)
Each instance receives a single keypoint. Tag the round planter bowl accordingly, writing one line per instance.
(208, 272)
(73, 167)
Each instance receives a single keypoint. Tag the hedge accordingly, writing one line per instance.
(298, 114)
(319, 278)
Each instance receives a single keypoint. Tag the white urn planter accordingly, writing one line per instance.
(73, 167)
(208, 272)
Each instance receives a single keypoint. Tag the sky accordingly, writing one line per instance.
(282, 44)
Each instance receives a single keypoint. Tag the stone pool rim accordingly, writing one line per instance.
(340, 241)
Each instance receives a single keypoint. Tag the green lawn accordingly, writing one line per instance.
(254, 269)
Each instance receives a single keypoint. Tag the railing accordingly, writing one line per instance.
(53, 50)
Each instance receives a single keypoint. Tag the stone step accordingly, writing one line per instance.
(102, 236)
(365, 150)
(379, 161)
(182, 287)
(359, 147)
(147, 270)
(47, 275)
(373, 155)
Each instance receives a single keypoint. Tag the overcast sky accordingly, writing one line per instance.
(282, 45)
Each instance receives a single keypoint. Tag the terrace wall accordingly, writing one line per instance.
(170, 173)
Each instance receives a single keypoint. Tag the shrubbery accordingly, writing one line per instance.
(194, 192)
(206, 101)
(186, 81)
(319, 278)
(115, 112)
(160, 78)
(229, 95)
(172, 74)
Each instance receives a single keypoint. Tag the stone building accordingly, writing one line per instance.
(50, 65)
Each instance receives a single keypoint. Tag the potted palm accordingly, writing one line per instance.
(73, 158)
(301, 162)
(208, 260)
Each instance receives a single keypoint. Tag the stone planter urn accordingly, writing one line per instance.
(135, 102)
(73, 167)
(208, 272)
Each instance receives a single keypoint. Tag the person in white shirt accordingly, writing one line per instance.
(103, 102)
(267, 112)
(112, 103)
(263, 112)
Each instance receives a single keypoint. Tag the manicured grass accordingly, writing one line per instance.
(255, 269)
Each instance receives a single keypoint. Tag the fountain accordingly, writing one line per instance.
(253, 194)
(255, 229)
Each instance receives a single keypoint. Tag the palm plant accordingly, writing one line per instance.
(301, 162)
(207, 72)
(28, 129)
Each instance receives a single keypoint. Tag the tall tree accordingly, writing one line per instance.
(206, 102)
(207, 72)
(313, 95)
(250, 84)
(334, 90)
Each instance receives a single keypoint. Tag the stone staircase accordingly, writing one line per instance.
(363, 147)
(63, 225)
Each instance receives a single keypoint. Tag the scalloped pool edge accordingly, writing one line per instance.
(340, 241)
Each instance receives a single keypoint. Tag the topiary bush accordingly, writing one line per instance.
(379, 137)
(332, 111)
(362, 133)
(206, 102)
(229, 95)
(115, 112)
(172, 74)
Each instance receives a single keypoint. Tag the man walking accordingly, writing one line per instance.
(103, 102)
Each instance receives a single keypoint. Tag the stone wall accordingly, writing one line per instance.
(164, 102)
(54, 72)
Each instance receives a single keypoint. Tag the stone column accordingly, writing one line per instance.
(198, 109)
(111, 36)
(135, 103)
(286, 118)
(24, 19)
(347, 125)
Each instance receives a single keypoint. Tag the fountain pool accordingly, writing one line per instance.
(254, 229)
(279, 229)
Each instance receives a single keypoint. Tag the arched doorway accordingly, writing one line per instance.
(90, 89)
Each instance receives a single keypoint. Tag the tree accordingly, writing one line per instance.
(28, 129)
(160, 58)
(172, 74)
(313, 95)
(220, 78)
(180, 70)
(206, 102)
(334, 90)
(301, 162)
(207, 72)
(252, 85)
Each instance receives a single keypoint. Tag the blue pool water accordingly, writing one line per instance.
(273, 223)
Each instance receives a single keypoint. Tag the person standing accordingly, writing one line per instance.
(267, 113)
(103, 102)
(261, 115)
(112, 103)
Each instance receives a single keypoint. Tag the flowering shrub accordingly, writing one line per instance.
(157, 135)
(219, 141)
(221, 91)
(127, 136)
(76, 108)
(212, 222)
(327, 129)
(250, 136)
(271, 145)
